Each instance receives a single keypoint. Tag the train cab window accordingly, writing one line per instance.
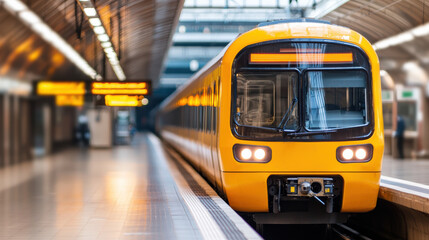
(267, 100)
(336, 99)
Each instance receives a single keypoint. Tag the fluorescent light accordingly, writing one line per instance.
(99, 30)
(401, 38)
(90, 12)
(421, 30)
(103, 38)
(30, 17)
(395, 40)
(114, 61)
(106, 44)
(111, 55)
(95, 22)
(108, 50)
(14, 5)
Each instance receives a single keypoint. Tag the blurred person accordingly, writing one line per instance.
(400, 129)
(82, 130)
(133, 130)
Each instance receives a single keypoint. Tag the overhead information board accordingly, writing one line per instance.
(69, 100)
(123, 101)
(121, 88)
(72, 93)
(52, 88)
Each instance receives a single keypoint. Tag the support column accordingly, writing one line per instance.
(15, 136)
(2, 116)
(6, 130)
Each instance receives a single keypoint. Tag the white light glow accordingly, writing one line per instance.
(347, 154)
(113, 61)
(246, 154)
(99, 30)
(145, 101)
(15, 5)
(95, 22)
(28, 16)
(421, 31)
(260, 154)
(103, 38)
(90, 12)
(111, 55)
(106, 44)
(109, 50)
(361, 154)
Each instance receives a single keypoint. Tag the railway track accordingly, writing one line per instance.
(341, 231)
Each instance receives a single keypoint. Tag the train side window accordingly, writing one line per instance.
(201, 108)
(209, 109)
(215, 91)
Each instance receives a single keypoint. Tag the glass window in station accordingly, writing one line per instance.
(408, 111)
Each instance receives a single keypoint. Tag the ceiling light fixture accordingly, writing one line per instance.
(36, 24)
(106, 43)
(90, 12)
(95, 22)
(419, 31)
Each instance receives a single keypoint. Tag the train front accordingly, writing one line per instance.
(304, 120)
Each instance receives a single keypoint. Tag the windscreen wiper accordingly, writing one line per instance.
(287, 115)
(302, 134)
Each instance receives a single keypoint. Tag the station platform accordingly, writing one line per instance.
(406, 182)
(406, 169)
(127, 192)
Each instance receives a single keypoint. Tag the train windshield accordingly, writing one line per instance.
(335, 99)
(299, 91)
(267, 100)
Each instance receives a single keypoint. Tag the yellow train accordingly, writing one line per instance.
(287, 116)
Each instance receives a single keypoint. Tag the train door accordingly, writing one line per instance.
(215, 135)
(208, 131)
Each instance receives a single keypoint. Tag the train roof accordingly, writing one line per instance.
(268, 23)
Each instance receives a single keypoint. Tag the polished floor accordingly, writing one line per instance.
(121, 193)
(127, 192)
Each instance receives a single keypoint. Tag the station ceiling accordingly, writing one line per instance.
(140, 30)
(381, 19)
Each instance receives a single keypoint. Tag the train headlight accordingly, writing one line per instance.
(246, 154)
(361, 153)
(347, 154)
(251, 153)
(355, 153)
(260, 154)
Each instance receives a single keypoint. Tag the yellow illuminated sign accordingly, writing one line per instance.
(69, 100)
(119, 91)
(278, 58)
(120, 88)
(123, 101)
(49, 88)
